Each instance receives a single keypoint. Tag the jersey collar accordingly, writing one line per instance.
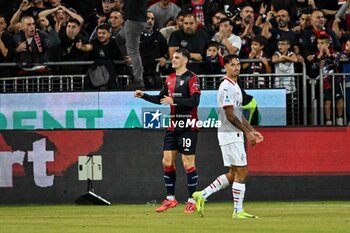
(230, 80)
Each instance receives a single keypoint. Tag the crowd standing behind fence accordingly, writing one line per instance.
(304, 20)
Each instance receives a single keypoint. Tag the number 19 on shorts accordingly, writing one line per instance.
(186, 142)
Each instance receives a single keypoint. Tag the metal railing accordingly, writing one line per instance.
(317, 108)
(43, 83)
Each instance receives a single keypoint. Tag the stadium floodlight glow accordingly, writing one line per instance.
(89, 169)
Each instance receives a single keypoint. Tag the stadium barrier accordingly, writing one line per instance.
(317, 86)
(41, 166)
(43, 83)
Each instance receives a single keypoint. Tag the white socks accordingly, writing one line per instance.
(238, 191)
(191, 200)
(220, 183)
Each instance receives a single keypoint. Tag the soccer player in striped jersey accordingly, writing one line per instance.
(180, 91)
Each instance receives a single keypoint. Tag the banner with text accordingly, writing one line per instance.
(109, 110)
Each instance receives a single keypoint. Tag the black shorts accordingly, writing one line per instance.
(338, 89)
(183, 141)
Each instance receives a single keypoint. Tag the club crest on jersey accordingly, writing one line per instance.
(182, 82)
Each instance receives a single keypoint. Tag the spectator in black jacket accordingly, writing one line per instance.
(32, 46)
(26, 8)
(6, 46)
(273, 34)
(212, 28)
(191, 38)
(68, 50)
(116, 21)
(103, 51)
(60, 15)
(246, 29)
(309, 36)
(99, 15)
(325, 60)
(328, 8)
(154, 53)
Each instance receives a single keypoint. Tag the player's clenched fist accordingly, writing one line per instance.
(138, 93)
(258, 136)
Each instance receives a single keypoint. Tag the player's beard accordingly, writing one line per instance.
(282, 24)
(236, 72)
(247, 19)
(189, 31)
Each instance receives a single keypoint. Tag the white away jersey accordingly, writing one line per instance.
(229, 94)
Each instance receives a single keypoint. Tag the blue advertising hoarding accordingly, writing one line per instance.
(109, 110)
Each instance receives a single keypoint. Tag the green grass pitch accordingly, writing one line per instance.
(275, 217)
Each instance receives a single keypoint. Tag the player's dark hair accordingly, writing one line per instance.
(190, 15)
(105, 26)
(213, 44)
(243, 5)
(229, 57)
(73, 20)
(324, 37)
(181, 13)
(226, 20)
(221, 12)
(184, 52)
(283, 39)
(304, 11)
(260, 40)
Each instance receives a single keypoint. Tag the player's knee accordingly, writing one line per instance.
(230, 177)
(188, 162)
(188, 166)
(241, 180)
(166, 162)
(241, 175)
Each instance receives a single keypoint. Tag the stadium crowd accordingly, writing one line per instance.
(277, 34)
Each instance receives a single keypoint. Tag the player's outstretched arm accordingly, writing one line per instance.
(138, 94)
(155, 99)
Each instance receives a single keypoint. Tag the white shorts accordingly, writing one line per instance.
(233, 154)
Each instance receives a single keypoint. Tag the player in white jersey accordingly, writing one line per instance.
(231, 140)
